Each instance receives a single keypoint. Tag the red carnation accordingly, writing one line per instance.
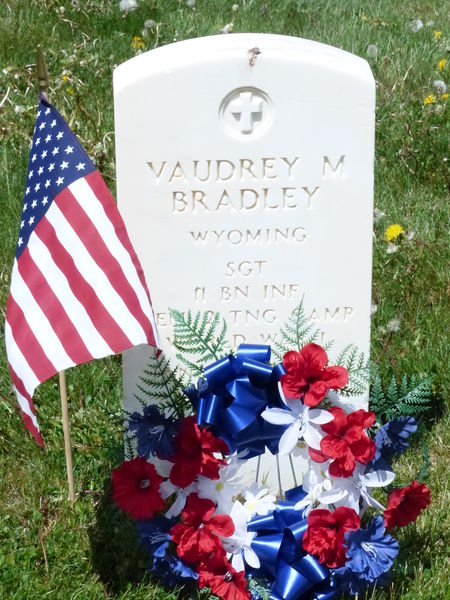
(224, 581)
(195, 454)
(196, 537)
(324, 537)
(136, 488)
(347, 442)
(405, 504)
(306, 374)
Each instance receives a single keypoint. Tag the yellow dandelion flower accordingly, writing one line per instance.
(393, 232)
(69, 90)
(430, 99)
(65, 78)
(437, 34)
(137, 43)
(441, 64)
(443, 96)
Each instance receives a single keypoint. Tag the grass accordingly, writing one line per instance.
(49, 551)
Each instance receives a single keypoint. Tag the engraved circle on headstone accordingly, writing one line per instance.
(245, 112)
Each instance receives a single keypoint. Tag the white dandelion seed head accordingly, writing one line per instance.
(416, 25)
(127, 6)
(440, 86)
(393, 325)
(372, 51)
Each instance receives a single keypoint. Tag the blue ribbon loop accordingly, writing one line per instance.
(279, 548)
(233, 395)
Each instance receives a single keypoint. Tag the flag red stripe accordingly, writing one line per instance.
(28, 422)
(27, 342)
(101, 318)
(103, 194)
(32, 429)
(53, 309)
(21, 388)
(95, 245)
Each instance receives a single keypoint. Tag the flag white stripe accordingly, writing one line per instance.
(74, 309)
(38, 322)
(25, 407)
(95, 211)
(19, 363)
(95, 276)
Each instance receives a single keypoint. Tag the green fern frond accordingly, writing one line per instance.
(296, 332)
(199, 335)
(129, 448)
(358, 368)
(161, 384)
(414, 397)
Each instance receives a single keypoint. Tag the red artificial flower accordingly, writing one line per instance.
(136, 488)
(324, 537)
(308, 375)
(195, 454)
(224, 581)
(405, 504)
(347, 442)
(196, 537)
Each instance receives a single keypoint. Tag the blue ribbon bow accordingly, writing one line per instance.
(279, 548)
(233, 395)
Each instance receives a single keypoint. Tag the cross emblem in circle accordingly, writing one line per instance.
(247, 109)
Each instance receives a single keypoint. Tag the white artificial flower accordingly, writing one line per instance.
(416, 25)
(347, 491)
(372, 51)
(258, 501)
(240, 542)
(304, 423)
(440, 86)
(222, 490)
(167, 488)
(316, 482)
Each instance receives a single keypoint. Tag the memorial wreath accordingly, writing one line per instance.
(203, 527)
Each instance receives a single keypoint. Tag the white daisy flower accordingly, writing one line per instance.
(258, 501)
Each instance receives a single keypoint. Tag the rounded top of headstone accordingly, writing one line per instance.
(253, 48)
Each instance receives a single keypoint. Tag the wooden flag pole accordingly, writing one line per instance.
(66, 429)
(42, 76)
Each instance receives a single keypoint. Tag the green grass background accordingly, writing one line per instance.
(46, 549)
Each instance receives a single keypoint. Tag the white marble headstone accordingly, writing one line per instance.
(245, 179)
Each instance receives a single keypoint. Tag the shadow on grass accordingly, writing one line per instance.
(116, 555)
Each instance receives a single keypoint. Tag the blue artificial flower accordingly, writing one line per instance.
(154, 535)
(155, 433)
(370, 554)
(391, 440)
(168, 568)
(172, 571)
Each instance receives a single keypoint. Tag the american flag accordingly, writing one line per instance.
(77, 289)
